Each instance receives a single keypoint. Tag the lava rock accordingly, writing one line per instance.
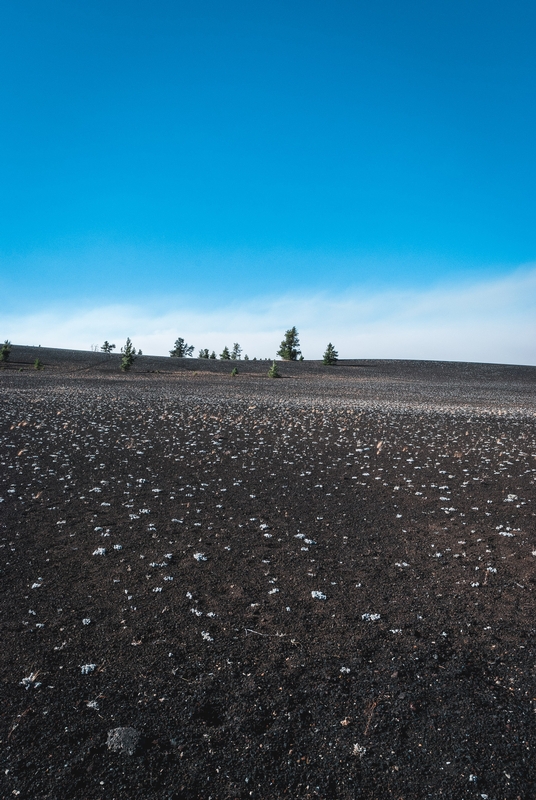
(123, 740)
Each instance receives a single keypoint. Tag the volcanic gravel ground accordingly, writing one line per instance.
(320, 586)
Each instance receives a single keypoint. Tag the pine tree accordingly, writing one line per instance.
(273, 372)
(236, 352)
(225, 355)
(330, 356)
(181, 349)
(234, 372)
(129, 355)
(288, 349)
(213, 354)
(246, 357)
(107, 347)
(5, 351)
(203, 353)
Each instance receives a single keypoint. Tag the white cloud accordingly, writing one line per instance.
(490, 321)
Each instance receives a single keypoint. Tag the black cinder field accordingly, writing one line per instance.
(318, 586)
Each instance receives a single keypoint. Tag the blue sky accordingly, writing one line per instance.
(212, 157)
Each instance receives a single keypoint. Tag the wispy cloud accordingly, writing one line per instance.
(492, 321)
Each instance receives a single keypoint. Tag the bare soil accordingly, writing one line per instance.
(320, 586)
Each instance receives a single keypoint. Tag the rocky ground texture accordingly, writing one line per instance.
(319, 586)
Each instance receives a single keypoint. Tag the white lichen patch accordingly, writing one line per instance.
(31, 680)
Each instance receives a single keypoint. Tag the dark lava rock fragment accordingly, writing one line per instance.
(123, 740)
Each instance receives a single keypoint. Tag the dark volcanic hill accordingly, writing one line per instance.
(316, 586)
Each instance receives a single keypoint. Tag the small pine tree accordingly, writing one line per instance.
(236, 352)
(107, 347)
(273, 372)
(129, 355)
(234, 372)
(288, 349)
(38, 364)
(225, 355)
(330, 356)
(213, 355)
(5, 351)
(181, 349)
(203, 353)
(246, 357)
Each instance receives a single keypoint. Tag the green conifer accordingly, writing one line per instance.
(129, 355)
(236, 352)
(288, 349)
(5, 351)
(330, 356)
(181, 349)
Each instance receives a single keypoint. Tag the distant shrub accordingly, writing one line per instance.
(273, 372)
(234, 372)
(38, 364)
(225, 355)
(246, 357)
(181, 349)
(107, 347)
(330, 356)
(213, 354)
(5, 351)
(288, 349)
(129, 355)
(203, 353)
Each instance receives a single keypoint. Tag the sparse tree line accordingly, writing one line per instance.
(182, 349)
(289, 350)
